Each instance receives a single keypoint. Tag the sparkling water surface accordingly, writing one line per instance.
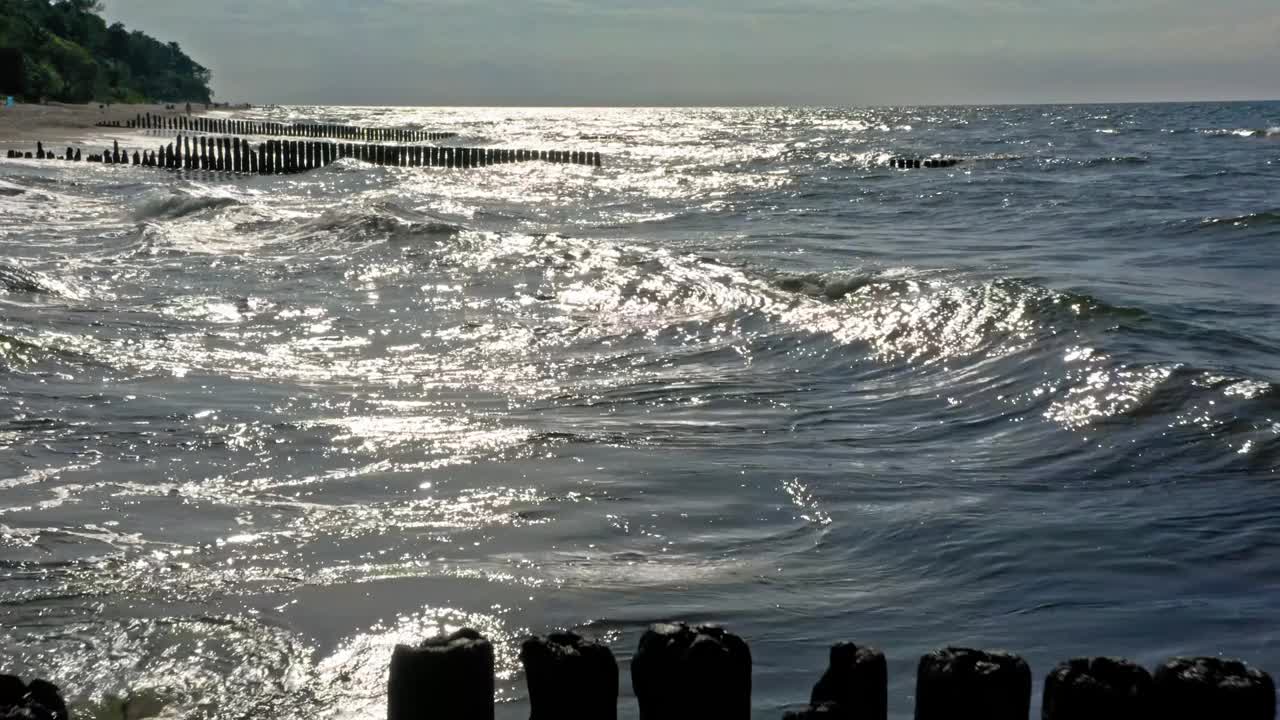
(258, 430)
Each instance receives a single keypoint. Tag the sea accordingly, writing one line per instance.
(258, 430)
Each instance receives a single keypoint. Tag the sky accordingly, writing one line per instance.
(721, 52)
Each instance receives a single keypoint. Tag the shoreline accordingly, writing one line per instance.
(59, 124)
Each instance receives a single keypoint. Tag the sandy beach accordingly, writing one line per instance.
(59, 124)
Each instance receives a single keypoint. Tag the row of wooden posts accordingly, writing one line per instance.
(228, 126)
(272, 157)
(905, 163)
(704, 673)
(700, 673)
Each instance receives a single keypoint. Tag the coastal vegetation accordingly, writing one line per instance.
(65, 51)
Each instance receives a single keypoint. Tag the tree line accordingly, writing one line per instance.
(63, 50)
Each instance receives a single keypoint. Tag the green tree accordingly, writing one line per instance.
(71, 54)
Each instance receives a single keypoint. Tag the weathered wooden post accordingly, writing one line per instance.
(38, 699)
(445, 678)
(854, 687)
(962, 683)
(684, 673)
(570, 678)
(1210, 687)
(1097, 689)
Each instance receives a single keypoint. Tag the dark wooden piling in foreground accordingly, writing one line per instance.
(37, 700)
(955, 683)
(1210, 687)
(570, 678)
(1097, 689)
(687, 673)
(447, 678)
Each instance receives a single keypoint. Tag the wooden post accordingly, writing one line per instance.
(1210, 687)
(1097, 689)
(446, 678)
(962, 683)
(684, 673)
(570, 678)
(854, 687)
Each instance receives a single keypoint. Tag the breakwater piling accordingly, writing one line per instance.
(230, 126)
(681, 672)
(274, 157)
(37, 700)
(907, 163)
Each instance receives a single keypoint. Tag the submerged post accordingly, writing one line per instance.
(855, 685)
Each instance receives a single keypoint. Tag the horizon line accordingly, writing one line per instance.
(672, 106)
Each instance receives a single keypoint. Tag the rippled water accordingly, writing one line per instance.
(258, 430)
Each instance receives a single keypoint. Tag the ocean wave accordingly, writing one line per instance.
(380, 223)
(1243, 132)
(18, 279)
(19, 351)
(1116, 160)
(836, 286)
(1258, 219)
(182, 204)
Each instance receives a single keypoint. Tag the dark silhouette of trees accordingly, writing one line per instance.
(70, 54)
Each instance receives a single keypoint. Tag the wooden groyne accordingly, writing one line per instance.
(275, 157)
(229, 126)
(696, 673)
(907, 163)
(681, 672)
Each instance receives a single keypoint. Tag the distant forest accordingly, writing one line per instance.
(63, 50)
